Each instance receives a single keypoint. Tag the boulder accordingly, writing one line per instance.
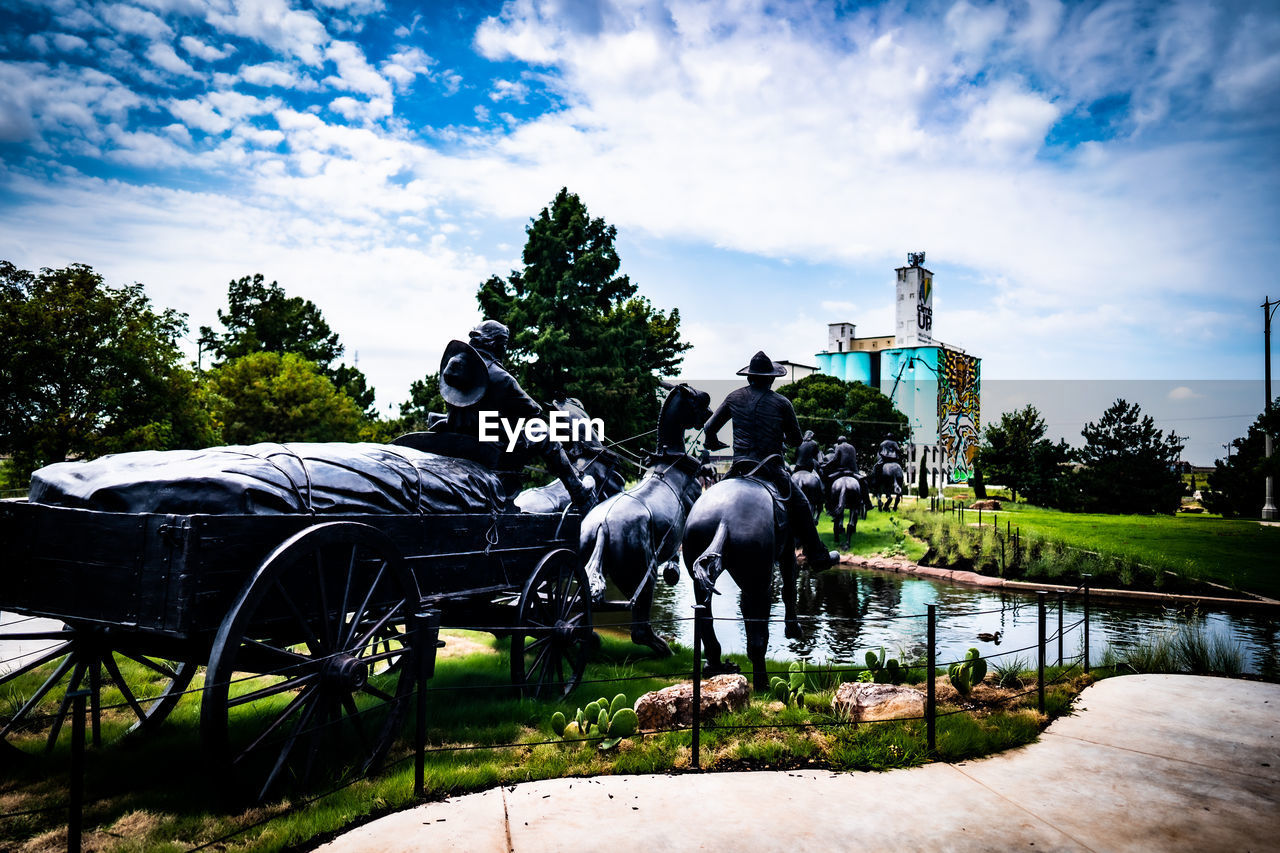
(672, 706)
(862, 701)
(987, 504)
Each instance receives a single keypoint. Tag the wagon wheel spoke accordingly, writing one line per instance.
(328, 631)
(309, 634)
(77, 675)
(114, 671)
(343, 630)
(353, 714)
(31, 703)
(279, 659)
(360, 612)
(272, 690)
(159, 666)
(377, 626)
(263, 736)
(377, 694)
(290, 740)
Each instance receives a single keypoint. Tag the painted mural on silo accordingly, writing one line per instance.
(958, 392)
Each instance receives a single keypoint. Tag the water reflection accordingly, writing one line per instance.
(845, 613)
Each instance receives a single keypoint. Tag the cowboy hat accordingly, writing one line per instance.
(464, 377)
(762, 365)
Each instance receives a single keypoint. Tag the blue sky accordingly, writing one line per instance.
(1096, 184)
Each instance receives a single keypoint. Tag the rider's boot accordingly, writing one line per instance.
(800, 515)
(558, 461)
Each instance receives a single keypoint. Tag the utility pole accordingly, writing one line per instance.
(1268, 311)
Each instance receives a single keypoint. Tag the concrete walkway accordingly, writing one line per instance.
(1148, 763)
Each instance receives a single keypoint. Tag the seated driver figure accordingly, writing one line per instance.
(473, 380)
(762, 420)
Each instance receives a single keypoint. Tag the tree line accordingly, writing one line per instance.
(88, 369)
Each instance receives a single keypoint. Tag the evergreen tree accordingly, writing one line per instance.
(923, 488)
(578, 328)
(1129, 466)
(267, 396)
(1237, 486)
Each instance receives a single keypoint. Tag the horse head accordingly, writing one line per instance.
(685, 408)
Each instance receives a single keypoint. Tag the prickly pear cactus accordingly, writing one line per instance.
(558, 723)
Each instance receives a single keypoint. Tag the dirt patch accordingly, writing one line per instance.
(457, 645)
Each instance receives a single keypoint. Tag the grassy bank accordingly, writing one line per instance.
(1131, 551)
(880, 533)
(156, 794)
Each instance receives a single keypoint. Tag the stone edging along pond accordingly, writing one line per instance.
(898, 565)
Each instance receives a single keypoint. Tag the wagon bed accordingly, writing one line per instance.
(318, 607)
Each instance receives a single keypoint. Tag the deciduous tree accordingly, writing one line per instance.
(87, 369)
(267, 396)
(261, 317)
(1016, 454)
(1237, 486)
(832, 407)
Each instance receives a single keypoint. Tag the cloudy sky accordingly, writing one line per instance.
(1096, 184)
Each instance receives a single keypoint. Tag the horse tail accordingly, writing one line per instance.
(708, 566)
(595, 566)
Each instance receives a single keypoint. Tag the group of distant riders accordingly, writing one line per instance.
(842, 460)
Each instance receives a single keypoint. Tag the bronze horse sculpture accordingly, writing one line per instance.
(628, 536)
(811, 485)
(844, 495)
(887, 486)
(591, 459)
(734, 526)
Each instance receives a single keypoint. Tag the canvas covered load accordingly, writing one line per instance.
(273, 479)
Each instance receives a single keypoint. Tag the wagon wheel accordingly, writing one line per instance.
(552, 634)
(309, 661)
(130, 693)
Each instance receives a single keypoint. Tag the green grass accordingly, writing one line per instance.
(1240, 554)
(157, 793)
(877, 535)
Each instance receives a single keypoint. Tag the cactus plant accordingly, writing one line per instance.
(613, 720)
(883, 669)
(968, 672)
(790, 691)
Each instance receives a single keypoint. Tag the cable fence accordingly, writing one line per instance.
(407, 651)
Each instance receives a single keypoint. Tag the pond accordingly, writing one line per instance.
(847, 612)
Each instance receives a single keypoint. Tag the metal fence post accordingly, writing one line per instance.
(1040, 648)
(1086, 622)
(426, 635)
(76, 806)
(699, 610)
(1060, 597)
(931, 699)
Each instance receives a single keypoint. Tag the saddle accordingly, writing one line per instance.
(748, 469)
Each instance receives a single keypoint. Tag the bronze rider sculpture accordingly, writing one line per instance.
(807, 453)
(762, 420)
(844, 460)
(889, 451)
(473, 380)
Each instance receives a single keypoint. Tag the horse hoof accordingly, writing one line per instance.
(724, 667)
(793, 631)
(653, 641)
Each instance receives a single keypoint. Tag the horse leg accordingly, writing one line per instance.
(787, 568)
(837, 526)
(642, 633)
(755, 613)
(711, 646)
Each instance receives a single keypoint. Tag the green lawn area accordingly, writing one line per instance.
(876, 535)
(1238, 553)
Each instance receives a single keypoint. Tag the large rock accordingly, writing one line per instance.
(673, 706)
(862, 701)
(987, 504)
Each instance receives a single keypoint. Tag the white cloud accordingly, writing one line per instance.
(165, 57)
(130, 20)
(297, 33)
(1182, 393)
(68, 43)
(508, 90)
(354, 72)
(405, 65)
(278, 75)
(198, 49)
